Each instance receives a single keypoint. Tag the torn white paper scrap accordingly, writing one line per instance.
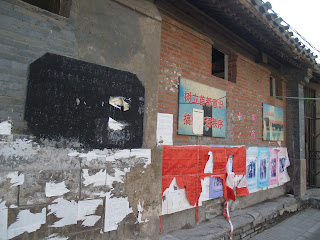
(164, 129)
(3, 220)
(98, 179)
(5, 128)
(56, 189)
(205, 185)
(55, 236)
(118, 177)
(140, 210)
(115, 125)
(86, 211)
(65, 210)
(197, 121)
(16, 178)
(174, 199)
(27, 222)
(116, 210)
(119, 102)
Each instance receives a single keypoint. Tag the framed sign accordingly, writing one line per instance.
(272, 123)
(202, 109)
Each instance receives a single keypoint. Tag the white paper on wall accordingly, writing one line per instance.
(174, 199)
(197, 121)
(65, 210)
(282, 166)
(87, 210)
(164, 129)
(116, 210)
(3, 220)
(5, 128)
(16, 178)
(97, 179)
(56, 189)
(27, 222)
(205, 193)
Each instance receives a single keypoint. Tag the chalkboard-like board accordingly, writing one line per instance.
(98, 106)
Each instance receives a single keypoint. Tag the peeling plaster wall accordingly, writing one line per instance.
(68, 191)
(65, 191)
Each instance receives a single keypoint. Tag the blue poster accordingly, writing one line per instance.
(202, 109)
(216, 187)
(252, 167)
(263, 167)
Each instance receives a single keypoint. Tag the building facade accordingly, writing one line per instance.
(96, 95)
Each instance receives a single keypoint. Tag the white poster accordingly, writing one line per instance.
(164, 129)
(197, 121)
(283, 164)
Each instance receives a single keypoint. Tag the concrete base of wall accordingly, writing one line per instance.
(214, 208)
(250, 221)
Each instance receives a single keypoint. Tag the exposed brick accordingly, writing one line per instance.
(187, 53)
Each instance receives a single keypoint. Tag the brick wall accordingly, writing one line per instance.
(24, 37)
(186, 53)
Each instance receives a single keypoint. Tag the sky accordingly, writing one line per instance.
(303, 16)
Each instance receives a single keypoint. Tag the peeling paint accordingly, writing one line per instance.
(19, 148)
(125, 153)
(118, 177)
(116, 209)
(142, 153)
(56, 189)
(65, 210)
(5, 128)
(100, 194)
(98, 179)
(86, 211)
(16, 178)
(94, 154)
(27, 222)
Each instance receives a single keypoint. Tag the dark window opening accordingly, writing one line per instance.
(272, 88)
(219, 64)
(60, 7)
(275, 87)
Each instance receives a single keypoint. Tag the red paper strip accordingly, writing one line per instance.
(242, 191)
(239, 159)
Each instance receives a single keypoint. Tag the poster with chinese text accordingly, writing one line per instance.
(202, 109)
(263, 167)
(272, 123)
(273, 166)
(252, 162)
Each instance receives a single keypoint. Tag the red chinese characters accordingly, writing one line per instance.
(203, 100)
(207, 121)
(187, 119)
(187, 96)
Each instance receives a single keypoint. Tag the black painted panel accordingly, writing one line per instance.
(70, 98)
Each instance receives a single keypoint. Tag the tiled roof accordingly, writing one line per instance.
(255, 22)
